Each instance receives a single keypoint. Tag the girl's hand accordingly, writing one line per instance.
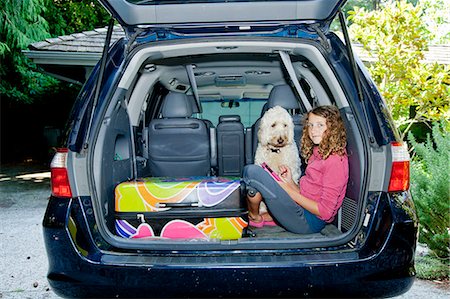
(286, 176)
(285, 173)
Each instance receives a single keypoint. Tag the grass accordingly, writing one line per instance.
(432, 268)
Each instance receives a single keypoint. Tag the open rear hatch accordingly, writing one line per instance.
(132, 14)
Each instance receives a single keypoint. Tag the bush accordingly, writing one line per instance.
(397, 36)
(430, 189)
(432, 268)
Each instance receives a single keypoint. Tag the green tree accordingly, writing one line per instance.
(397, 37)
(368, 5)
(437, 19)
(71, 16)
(430, 188)
(26, 21)
(21, 23)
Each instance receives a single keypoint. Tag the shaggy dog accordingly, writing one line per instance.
(276, 144)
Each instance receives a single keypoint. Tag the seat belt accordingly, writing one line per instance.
(191, 76)
(290, 69)
(213, 142)
(144, 132)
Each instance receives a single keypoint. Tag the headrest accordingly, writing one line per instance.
(176, 105)
(228, 118)
(264, 109)
(282, 95)
(191, 99)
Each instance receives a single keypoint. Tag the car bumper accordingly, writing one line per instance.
(77, 268)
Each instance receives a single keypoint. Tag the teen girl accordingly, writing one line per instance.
(308, 207)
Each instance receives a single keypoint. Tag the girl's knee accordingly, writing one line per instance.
(251, 170)
(254, 198)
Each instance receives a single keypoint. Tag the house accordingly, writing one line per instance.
(72, 57)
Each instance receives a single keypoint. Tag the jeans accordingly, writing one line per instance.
(283, 208)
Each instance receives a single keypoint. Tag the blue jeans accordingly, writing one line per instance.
(284, 209)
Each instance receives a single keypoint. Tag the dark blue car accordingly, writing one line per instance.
(147, 192)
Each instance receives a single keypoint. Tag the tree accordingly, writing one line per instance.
(397, 37)
(429, 187)
(71, 16)
(437, 19)
(26, 21)
(21, 23)
(368, 5)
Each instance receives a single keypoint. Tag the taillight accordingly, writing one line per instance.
(59, 175)
(399, 180)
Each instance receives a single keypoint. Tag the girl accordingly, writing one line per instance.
(308, 207)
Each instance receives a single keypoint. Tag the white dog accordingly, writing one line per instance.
(276, 143)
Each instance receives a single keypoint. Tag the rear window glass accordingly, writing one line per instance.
(248, 109)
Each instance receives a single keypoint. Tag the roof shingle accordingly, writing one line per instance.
(92, 42)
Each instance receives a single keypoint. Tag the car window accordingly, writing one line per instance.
(248, 109)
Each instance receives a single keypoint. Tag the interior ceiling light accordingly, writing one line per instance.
(258, 73)
(204, 74)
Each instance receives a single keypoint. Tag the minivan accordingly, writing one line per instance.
(147, 196)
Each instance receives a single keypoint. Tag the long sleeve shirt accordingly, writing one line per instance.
(325, 181)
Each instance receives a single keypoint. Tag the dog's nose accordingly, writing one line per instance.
(280, 140)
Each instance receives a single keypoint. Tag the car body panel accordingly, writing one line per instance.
(380, 264)
(373, 257)
(78, 121)
(131, 13)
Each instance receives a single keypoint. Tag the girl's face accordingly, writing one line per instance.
(317, 125)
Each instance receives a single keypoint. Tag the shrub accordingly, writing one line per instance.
(432, 268)
(430, 189)
(397, 36)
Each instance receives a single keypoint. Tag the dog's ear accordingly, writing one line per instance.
(260, 133)
(262, 124)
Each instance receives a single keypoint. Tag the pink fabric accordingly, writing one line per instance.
(325, 181)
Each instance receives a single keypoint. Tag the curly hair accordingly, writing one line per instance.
(334, 138)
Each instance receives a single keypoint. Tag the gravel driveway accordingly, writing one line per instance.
(24, 190)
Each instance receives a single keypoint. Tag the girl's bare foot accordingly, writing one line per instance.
(257, 221)
(266, 217)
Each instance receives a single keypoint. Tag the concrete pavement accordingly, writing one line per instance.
(24, 190)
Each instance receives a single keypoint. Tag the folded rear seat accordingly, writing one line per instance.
(179, 145)
(182, 200)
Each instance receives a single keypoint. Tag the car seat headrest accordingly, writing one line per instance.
(282, 95)
(264, 109)
(229, 118)
(176, 105)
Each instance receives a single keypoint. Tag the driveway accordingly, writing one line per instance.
(24, 190)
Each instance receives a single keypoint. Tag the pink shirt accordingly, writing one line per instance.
(325, 181)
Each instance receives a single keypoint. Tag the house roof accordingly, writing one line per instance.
(84, 50)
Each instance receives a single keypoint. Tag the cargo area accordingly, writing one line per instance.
(187, 123)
